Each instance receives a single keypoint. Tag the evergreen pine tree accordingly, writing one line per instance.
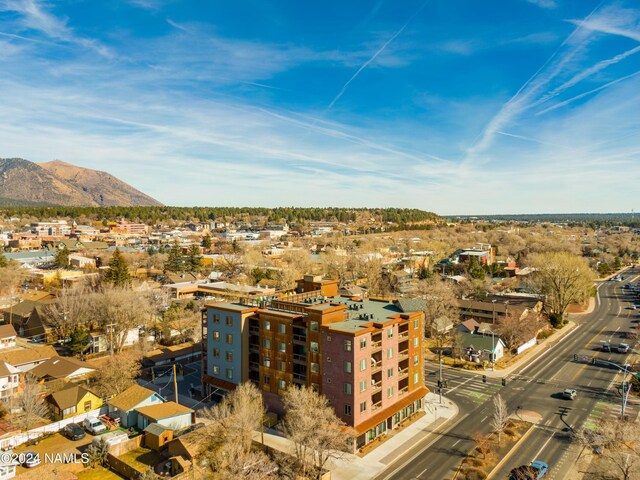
(206, 242)
(61, 259)
(194, 260)
(175, 262)
(118, 273)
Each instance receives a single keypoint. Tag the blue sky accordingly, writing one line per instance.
(454, 106)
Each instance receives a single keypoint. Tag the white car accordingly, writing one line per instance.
(94, 426)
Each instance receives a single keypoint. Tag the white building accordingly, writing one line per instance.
(9, 380)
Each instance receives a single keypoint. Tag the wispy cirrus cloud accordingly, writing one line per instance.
(34, 15)
(544, 3)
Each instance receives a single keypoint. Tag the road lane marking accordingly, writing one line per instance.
(542, 448)
(535, 360)
(452, 446)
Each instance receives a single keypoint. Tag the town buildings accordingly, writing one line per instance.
(364, 355)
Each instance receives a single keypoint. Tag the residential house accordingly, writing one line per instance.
(29, 320)
(9, 380)
(80, 261)
(468, 326)
(99, 342)
(8, 469)
(169, 414)
(25, 359)
(7, 336)
(64, 368)
(72, 401)
(477, 347)
(183, 353)
(123, 406)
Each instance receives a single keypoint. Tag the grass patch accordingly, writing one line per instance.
(141, 458)
(98, 473)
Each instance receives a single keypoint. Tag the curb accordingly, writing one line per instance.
(510, 452)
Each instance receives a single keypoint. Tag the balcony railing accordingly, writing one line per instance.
(376, 367)
(254, 329)
(299, 358)
(403, 373)
(403, 391)
(376, 406)
(403, 335)
(375, 346)
(298, 377)
(376, 386)
(403, 355)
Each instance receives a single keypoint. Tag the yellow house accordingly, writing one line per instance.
(72, 401)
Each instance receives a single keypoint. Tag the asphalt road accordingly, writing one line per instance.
(534, 387)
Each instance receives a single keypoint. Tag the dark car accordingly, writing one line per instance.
(73, 431)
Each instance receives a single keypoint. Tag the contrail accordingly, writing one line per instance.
(374, 56)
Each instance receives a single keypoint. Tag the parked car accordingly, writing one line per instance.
(623, 348)
(569, 394)
(30, 459)
(94, 426)
(606, 347)
(534, 471)
(73, 431)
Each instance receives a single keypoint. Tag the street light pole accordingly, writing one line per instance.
(440, 375)
(493, 349)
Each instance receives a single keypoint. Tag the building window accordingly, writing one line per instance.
(229, 321)
(229, 373)
(416, 323)
(363, 365)
(266, 380)
(282, 328)
(282, 347)
(282, 366)
(347, 409)
(347, 366)
(415, 378)
(390, 333)
(216, 318)
(347, 389)
(229, 338)
(282, 385)
(363, 343)
(328, 338)
(215, 369)
(87, 406)
(416, 359)
(363, 385)
(416, 340)
(313, 347)
(390, 353)
(314, 367)
(313, 326)
(266, 343)
(266, 325)
(390, 373)
(229, 356)
(216, 353)
(266, 361)
(363, 407)
(347, 345)
(216, 335)
(390, 392)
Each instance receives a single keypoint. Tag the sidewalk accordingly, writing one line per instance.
(533, 353)
(353, 467)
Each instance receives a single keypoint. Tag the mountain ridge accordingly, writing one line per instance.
(23, 182)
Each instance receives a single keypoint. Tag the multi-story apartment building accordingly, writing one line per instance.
(364, 355)
(56, 228)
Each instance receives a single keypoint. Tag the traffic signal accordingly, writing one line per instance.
(504, 382)
(484, 379)
(439, 383)
(593, 361)
(575, 357)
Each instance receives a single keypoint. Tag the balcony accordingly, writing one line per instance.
(403, 391)
(376, 406)
(299, 378)
(254, 329)
(376, 346)
(297, 358)
(403, 355)
(404, 373)
(301, 339)
(403, 335)
(376, 386)
(376, 366)
(254, 348)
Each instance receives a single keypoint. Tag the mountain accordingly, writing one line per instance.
(58, 183)
(105, 189)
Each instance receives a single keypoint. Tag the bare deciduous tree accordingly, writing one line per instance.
(515, 330)
(227, 440)
(500, 416)
(117, 374)
(311, 424)
(31, 403)
(71, 310)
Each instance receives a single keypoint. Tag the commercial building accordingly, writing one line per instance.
(364, 355)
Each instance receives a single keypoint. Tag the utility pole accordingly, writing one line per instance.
(175, 383)
(440, 374)
(110, 327)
